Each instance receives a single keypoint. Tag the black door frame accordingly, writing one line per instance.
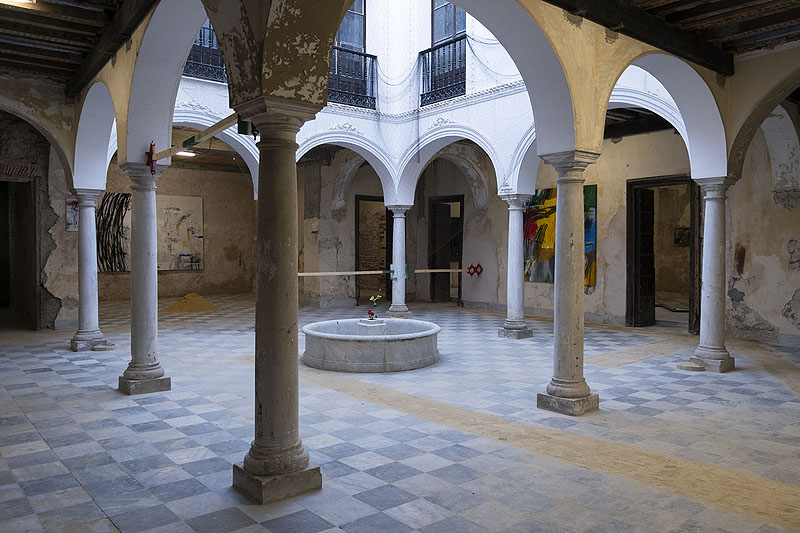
(448, 199)
(389, 243)
(695, 244)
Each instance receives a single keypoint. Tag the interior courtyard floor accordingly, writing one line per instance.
(458, 446)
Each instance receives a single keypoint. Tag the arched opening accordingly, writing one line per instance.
(38, 225)
(95, 129)
(454, 222)
(344, 226)
(763, 247)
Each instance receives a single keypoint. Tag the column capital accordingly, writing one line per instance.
(87, 197)
(269, 113)
(570, 164)
(715, 188)
(516, 201)
(398, 210)
(141, 176)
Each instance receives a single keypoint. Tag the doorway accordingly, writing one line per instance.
(446, 246)
(373, 247)
(663, 252)
(18, 257)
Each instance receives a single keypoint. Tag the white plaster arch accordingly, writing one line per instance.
(372, 153)
(644, 91)
(704, 130)
(157, 74)
(784, 157)
(422, 152)
(96, 125)
(538, 65)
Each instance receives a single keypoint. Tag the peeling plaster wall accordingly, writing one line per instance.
(328, 240)
(763, 268)
(640, 156)
(60, 268)
(43, 257)
(229, 234)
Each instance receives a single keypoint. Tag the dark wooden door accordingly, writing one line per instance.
(440, 250)
(644, 273)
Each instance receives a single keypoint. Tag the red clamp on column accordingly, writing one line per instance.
(474, 269)
(151, 158)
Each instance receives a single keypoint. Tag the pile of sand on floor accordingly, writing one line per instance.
(191, 303)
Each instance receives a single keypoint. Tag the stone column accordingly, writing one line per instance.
(711, 353)
(88, 334)
(567, 391)
(277, 465)
(144, 373)
(514, 326)
(398, 308)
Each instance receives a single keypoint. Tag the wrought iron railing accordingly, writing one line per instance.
(444, 71)
(205, 60)
(352, 78)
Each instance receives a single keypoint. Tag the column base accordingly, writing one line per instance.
(714, 365)
(513, 329)
(398, 312)
(84, 341)
(568, 406)
(143, 386)
(265, 489)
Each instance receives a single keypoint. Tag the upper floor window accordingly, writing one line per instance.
(447, 22)
(352, 76)
(205, 58)
(353, 30)
(444, 65)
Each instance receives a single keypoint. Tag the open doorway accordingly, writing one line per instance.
(373, 246)
(446, 246)
(18, 258)
(663, 252)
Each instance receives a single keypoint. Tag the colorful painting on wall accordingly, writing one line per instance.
(539, 230)
(179, 222)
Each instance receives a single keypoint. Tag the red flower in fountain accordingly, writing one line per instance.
(371, 314)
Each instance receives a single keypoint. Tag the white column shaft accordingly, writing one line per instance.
(515, 295)
(88, 333)
(398, 307)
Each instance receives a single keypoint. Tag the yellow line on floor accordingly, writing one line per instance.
(776, 503)
(641, 352)
(770, 361)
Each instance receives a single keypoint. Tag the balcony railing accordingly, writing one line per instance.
(205, 60)
(352, 78)
(444, 71)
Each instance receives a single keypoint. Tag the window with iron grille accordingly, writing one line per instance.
(444, 65)
(205, 59)
(352, 75)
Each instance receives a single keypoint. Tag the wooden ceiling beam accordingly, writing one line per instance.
(87, 17)
(129, 15)
(753, 27)
(627, 19)
(49, 70)
(34, 21)
(40, 53)
(701, 19)
(23, 32)
(767, 40)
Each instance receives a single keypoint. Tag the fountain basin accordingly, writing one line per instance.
(362, 345)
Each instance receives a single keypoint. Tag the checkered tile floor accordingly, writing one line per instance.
(76, 455)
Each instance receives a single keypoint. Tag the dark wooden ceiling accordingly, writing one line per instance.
(734, 25)
(68, 40)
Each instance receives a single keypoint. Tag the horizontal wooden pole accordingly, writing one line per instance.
(350, 273)
(222, 125)
(437, 270)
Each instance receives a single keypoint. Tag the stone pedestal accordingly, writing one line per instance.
(144, 373)
(711, 352)
(276, 466)
(567, 391)
(88, 335)
(398, 309)
(514, 326)
(266, 489)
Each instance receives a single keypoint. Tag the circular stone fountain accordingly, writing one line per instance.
(362, 345)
